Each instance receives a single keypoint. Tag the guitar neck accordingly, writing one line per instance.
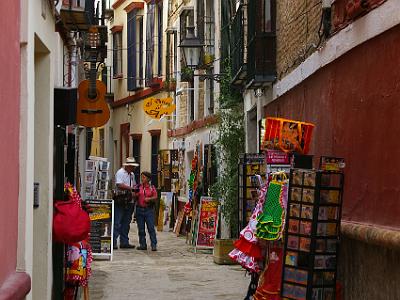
(92, 78)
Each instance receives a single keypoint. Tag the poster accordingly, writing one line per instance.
(101, 229)
(207, 223)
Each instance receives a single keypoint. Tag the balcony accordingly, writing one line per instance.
(77, 15)
(261, 57)
(239, 47)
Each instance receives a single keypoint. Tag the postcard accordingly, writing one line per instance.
(309, 178)
(104, 165)
(301, 276)
(308, 195)
(295, 210)
(296, 194)
(305, 244)
(288, 290)
(321, 229)
(319, 262)
(291, 258)
(89, 177)
(307, 212)
(293, 242)
(300, 293)
(323, 213)
(90, 165)
(305, 227)
(331, 229)
(297, 177)
(293, 226)
(290, 274)
(332, 213)
(329, 277)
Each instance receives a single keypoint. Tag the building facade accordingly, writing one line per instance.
(194, 126)
(335, 66)
(14, 280)
(43, 48)
(136, 71)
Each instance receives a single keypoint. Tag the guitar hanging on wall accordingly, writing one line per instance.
(92, 109)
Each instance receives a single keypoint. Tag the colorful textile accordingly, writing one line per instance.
(270, 280)
(78, 263)
(248, 233)
(248, 248)
(248, 252)
(246, 261)
(269, 226)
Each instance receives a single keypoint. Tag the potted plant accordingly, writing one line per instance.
(208, 58)
(186, 74)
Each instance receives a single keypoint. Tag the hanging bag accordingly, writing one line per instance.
(71, 224)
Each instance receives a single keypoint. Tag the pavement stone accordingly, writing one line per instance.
(174, 272)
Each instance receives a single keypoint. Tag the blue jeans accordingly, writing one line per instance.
(146, 216)
(122, 223)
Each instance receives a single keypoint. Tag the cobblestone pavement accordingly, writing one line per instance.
(173, 272)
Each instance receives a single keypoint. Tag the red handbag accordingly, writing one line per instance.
(71, 224)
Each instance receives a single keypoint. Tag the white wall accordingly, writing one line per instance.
(40, 47)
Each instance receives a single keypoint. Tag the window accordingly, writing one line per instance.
(132, 62)
(186, 19)
(209, 30)
(154, 35)
(139, 54)
(160, 37)
(266, 16)
(136, 154)
(117, 54)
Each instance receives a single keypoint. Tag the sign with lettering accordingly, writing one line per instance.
(207, 222)
(101, 226)
(158, 107)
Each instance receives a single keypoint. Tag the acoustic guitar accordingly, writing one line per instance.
(92, 109)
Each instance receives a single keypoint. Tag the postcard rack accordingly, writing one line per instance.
(312, 235)
(250, 164)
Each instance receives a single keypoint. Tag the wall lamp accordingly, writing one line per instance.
(192, 51)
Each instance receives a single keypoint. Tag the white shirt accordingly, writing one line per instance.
(122, 176)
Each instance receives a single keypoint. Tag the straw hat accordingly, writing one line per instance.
(130, 161)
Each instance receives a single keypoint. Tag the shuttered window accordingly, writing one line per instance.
(117, 54)
(132, 50)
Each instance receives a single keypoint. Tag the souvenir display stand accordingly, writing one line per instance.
(261, 244)
(250, 164)
(164, 170)
(97, 178)
(168, 178)
(312, 235)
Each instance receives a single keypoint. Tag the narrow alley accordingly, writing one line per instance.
(173, 272)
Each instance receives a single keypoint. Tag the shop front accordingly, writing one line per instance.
(353, 102)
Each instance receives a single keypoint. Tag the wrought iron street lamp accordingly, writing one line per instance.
(192, 48)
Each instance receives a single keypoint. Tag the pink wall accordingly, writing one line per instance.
(9, 135)
(355, 104)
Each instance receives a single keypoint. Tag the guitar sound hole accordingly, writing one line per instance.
(93, 95)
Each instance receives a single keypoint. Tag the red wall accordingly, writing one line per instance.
(9, 135)
(355, 104)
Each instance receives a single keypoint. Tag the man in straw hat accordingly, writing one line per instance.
(123, 210)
